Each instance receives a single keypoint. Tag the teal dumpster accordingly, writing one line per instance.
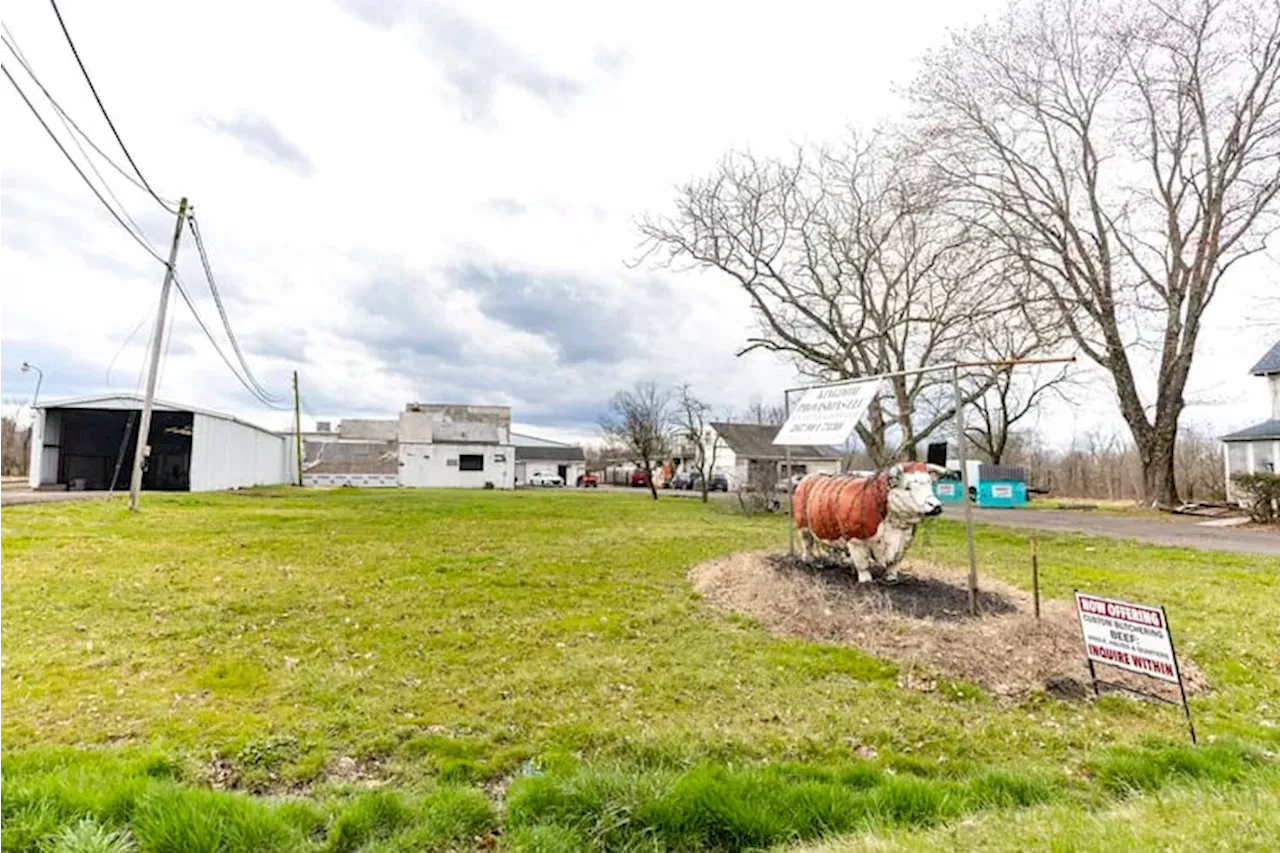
(949, 491)
(1002, 486)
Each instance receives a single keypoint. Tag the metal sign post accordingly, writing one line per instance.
(791, 487)
(968, 504)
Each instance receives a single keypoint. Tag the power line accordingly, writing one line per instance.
(222, 312)
(103, 108)
(140, 241)
(12, 43)
(111, 364)
(182, 291)
(67, 125)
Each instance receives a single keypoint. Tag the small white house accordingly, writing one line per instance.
(747, 453)
(87, 443)
(1257, 448)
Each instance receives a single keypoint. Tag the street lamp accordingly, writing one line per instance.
(28, 366)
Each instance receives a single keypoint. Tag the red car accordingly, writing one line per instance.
(588, 481)
(639, 478)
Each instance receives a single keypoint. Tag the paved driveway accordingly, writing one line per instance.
(14, 497)
(1181, 531)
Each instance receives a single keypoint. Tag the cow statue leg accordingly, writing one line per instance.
(894, 548)
(806, 545)
(860, 556)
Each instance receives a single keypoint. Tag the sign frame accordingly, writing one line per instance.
(1121, 663)
(830, 413)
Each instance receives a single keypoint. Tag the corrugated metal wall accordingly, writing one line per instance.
(228, 455)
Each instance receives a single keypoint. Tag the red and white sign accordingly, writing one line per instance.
(1129, 636)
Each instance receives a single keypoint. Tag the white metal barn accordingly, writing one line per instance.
(88, 443)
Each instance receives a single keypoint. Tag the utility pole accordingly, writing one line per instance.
(297, 423)
(143, 449)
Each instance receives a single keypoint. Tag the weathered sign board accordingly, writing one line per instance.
(826, 416)
(1132, 637)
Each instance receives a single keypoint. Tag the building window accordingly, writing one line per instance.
(471, 462)
(1238, 457)
(1263, 462)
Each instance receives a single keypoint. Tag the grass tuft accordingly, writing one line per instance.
(89, 836)
(1124, 770)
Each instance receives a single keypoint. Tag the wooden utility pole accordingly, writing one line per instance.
(297, 424)
(142, 448)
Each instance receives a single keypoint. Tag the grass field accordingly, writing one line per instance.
(413, 670)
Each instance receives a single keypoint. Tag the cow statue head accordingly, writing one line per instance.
(911, 494)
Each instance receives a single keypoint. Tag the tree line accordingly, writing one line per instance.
(1076, 175)
(14, 447)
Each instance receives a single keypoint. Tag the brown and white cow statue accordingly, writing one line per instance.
(873, 518)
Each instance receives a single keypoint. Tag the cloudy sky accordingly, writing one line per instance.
(433, 201)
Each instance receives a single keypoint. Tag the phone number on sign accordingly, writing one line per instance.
(817, 427)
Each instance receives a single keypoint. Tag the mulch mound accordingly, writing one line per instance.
(923, 624)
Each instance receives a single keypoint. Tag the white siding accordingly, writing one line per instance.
(46, 438)
(226, 455)
(1274, 382)
(436, 465)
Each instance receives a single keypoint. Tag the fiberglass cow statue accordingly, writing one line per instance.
(872, 518)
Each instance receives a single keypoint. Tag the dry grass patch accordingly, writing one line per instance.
(922, 623)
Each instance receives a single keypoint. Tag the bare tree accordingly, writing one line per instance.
(693, 427)
(1013, 395)
(854, 267)
(1129, 156)
(640, 420)
(757, 412)
(15, 444)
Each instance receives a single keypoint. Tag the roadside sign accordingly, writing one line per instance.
(1133, 637)
(1129, 636)
(827, 416)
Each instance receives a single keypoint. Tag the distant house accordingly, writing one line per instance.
(748, 454)
(1257, 448)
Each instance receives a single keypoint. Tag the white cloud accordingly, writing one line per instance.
(347, 160)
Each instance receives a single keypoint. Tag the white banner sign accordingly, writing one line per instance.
(827, 416)
(1130, 636)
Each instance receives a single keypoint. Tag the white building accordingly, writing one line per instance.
(456, 446)
(88, 443)
(539, 456)
(428, 445)
(1257, 448)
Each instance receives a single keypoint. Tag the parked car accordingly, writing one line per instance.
(683, 481)
(719, 483)
(588, 481)
(545, 480)
(639, 478)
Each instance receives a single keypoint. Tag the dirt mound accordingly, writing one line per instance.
(923, 624)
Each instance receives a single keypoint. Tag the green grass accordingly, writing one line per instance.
(1201, 816)
(430, 643)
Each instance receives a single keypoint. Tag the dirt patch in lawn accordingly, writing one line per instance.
(923, 624)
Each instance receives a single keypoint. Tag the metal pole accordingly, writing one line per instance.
(968, 508)
(1035, 576)
(297, 424)
(142, 448)
(791, 498)
(1177, 670)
